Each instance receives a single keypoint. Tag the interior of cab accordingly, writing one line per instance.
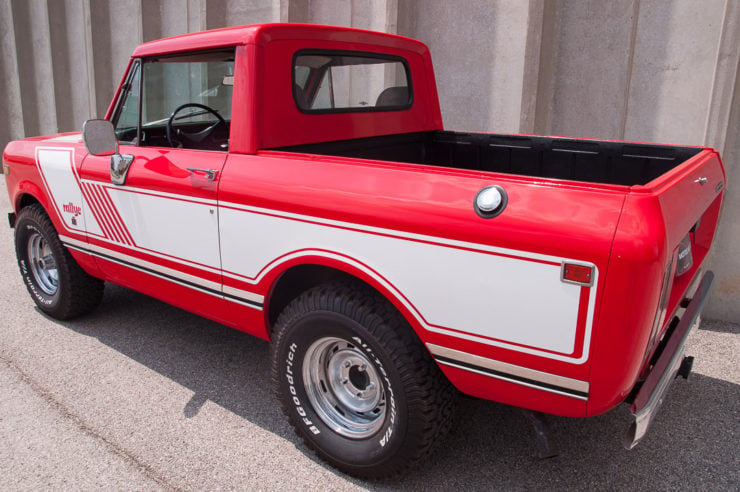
(327, 81)
(179, 101)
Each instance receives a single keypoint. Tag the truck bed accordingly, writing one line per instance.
(592, 161)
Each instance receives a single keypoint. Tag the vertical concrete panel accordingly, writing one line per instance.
(725, 75)
(591, 68)
(11, 125)
(164, 18)
(723, 303)
(196, 15)
(298, 11)
(532, 58)
(673, 73)
(334, 13)
(479, 63)
(116, 31)
(71, 88)
(374, 15)
(36, 76)
(241, 12)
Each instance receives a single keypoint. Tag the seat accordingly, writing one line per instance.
(393, 96)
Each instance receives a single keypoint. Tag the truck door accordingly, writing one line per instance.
(160, 224)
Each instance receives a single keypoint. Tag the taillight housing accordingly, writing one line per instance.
(685, 259)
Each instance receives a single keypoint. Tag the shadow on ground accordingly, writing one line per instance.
(693, 443)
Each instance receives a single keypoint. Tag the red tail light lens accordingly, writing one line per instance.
(577, 274)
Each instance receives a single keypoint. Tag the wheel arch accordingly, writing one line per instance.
(26, 199)
(309, 271)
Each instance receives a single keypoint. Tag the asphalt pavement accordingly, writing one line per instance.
(140, 395)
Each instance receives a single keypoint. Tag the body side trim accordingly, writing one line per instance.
(212, 288)
(509, 372)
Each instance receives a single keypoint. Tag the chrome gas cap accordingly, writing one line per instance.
(490, 201)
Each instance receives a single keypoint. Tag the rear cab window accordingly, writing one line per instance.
(347, 81)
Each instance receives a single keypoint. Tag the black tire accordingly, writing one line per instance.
(350, 326)
(57, 284)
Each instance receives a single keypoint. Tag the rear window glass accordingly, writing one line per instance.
(325, 82)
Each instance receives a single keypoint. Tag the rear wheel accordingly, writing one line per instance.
(356, 383)
(57, 284)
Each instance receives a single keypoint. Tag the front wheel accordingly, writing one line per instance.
(57, 284)
(356, 383)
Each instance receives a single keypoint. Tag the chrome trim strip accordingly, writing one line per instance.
(243, 294)
(544, 381)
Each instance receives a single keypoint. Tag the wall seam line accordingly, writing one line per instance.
(630, 66)
(710, 108)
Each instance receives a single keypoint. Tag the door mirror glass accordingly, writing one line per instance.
(99, 137)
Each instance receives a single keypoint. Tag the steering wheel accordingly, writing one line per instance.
(197, 137)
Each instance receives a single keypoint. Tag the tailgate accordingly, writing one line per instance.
(689, 199)
(664, 234)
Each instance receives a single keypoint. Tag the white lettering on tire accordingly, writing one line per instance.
(291, 387)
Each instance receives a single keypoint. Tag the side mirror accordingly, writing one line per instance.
(99, 137)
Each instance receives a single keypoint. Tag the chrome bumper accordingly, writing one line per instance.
(653, 390)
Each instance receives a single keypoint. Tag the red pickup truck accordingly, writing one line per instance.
(296, 182)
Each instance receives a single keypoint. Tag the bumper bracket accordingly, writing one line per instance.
(670, 364)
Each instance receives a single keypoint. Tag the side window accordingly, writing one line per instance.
(185, 101)
(347, 81)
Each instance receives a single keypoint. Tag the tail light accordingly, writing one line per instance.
(685, 258)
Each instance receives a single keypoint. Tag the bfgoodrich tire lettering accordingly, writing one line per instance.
(356, 383)
(57, 284)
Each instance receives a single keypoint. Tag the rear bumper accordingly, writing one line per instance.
(653, 390)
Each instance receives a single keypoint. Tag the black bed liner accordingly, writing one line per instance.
(591, 161)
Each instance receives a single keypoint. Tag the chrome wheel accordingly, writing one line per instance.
(43, 266)
(344, 387)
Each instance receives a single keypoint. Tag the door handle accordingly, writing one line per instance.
(210, 174)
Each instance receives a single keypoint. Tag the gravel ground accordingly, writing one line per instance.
(141, 395)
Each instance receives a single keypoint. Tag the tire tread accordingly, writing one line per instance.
(84, 292)
(430, 396)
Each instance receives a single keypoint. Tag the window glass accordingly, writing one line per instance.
(326, 82)
(128, 117)
(171, 82)
(195, 88)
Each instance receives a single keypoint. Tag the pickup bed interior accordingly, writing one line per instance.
(590, 161)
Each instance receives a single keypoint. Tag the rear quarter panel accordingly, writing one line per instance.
(488, 287)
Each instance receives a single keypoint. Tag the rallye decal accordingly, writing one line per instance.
(56, 167)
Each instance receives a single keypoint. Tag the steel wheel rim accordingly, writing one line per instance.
(344, 387)
(43, 266)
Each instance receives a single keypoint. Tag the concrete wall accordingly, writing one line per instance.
(651, 70)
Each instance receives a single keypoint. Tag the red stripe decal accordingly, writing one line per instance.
(117, 216)
(94, 208)
(104, 207)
